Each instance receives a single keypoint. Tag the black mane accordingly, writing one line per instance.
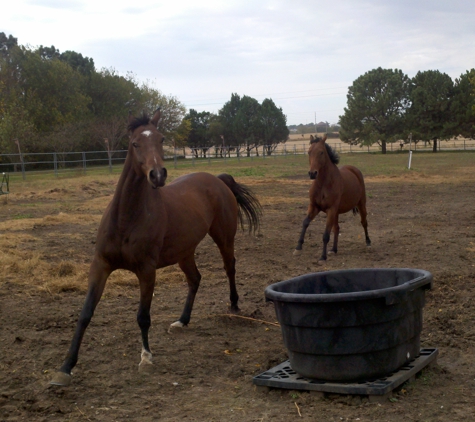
(138, 121)
(334, 157)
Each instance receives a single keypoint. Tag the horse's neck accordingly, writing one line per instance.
(327, 174)
(132, 199)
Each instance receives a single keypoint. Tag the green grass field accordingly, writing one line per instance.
(426, 164)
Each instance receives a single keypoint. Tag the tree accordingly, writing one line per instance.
(181, 134)
(83, 65)
(274, 125)
(199, 138)
(7, 44)
(227, 115)
(463, 106)
(247, 124)
(429, 115)
(51, 92)
(172, 110)
(377, 102)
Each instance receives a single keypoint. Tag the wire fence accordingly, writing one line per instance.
(80, 162)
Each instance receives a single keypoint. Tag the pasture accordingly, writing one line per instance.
(422, 218)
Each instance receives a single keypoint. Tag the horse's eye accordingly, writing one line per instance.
(135, 144)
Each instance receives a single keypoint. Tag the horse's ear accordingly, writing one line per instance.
(156, 117)
(324, 138)
(311, 138)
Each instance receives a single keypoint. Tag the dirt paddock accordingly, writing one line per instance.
(204, 372)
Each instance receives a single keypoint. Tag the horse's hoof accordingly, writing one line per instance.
(146, 367)
(60, 378)
(176, 324)
(297, 252)
(321, 262)
(234, 309)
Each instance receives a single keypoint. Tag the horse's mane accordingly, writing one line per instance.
(138, 121)
(334, 157)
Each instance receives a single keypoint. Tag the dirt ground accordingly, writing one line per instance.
(204, 372)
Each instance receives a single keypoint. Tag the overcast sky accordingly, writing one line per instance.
(304, 54)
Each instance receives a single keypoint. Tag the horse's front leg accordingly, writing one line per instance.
(98, 274)
(147, 286)
(311, 214)
(336, 233)
(193, 278)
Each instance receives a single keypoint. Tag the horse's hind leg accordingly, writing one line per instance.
(225, 244)
(364, 222)
(193, 278)
(311, 214)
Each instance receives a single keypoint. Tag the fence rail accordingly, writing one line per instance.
(57, 163)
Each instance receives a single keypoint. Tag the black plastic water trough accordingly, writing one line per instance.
(348, 325)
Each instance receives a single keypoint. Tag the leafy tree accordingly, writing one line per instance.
(227, 115)
(180, 137)
(463, 106)
(377, 102)
(274, 125)
(247, 124)
(48, 53)
(83, 65)
(7, 44)
(51, 92)
(111, 94)
(429, 115)
(173, 111)
(199, 138)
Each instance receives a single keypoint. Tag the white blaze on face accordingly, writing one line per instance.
(147, 133)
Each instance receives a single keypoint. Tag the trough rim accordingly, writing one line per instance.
(392, 294)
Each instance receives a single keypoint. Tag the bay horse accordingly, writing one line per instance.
(334, 191)
(148, 225)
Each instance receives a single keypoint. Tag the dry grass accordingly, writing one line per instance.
(66, 210)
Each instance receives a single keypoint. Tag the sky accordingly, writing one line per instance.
(303, 54)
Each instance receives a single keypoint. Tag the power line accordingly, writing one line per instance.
(275, 98)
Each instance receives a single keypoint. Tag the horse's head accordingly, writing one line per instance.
(317, 155)
(146, 148)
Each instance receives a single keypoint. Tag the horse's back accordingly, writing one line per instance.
(204, 185)
(201, 196)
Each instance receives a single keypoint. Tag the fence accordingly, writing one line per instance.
(82, 161)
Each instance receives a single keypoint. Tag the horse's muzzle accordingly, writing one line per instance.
(157, 178)
(312, 174)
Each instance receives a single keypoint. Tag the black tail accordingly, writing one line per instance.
(249, 206)
(356, 211)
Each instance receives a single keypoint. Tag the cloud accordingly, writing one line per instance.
(302, 54)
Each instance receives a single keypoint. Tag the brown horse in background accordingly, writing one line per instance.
(334, 191)
(148, 225)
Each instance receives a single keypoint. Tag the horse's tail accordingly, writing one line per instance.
(356, 211)
(249, 206)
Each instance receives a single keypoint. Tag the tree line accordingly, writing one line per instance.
(385, 105)
(58, 101)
